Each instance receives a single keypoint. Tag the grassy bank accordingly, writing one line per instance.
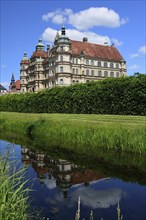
(80, 133)
(13, 196)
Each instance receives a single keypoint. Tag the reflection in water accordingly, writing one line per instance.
(59, 184)
(59, 173)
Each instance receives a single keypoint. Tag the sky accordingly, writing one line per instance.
(24, 22)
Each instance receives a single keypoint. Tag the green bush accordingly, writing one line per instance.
(125, 96)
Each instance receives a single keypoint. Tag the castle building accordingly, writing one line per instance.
(69, 62)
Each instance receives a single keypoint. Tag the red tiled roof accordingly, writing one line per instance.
(16, 85)
(39, 53)
(25, 62)
(95, 50)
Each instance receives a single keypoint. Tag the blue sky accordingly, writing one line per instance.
(119, 22)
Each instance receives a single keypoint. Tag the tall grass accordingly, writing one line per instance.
(13, 195)
(81, 133)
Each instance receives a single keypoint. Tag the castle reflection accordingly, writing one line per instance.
(64, 173)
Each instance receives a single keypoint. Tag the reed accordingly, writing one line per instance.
(13, 195)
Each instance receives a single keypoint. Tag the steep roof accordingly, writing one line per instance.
(95, 50)
(16, 85)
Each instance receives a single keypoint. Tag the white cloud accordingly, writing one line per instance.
(97, 198)
(92, 198)
(134, 55)
(92, 17)
(86, 19)
(134, 67)
(58, 19)
(142, 49)
(49, 35)
(117, 42)
(50, 183)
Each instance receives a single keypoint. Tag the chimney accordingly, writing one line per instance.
(85, 39)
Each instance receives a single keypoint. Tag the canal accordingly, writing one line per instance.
(58, 181)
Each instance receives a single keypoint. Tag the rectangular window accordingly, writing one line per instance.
(61, 69)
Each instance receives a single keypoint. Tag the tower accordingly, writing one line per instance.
(63, 69)
(12, 79)
(23, 73)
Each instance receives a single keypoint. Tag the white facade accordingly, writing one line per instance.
(66, 64)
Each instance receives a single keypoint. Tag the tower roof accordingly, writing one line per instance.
(25, 56)
(12, 79)
(63, 38)
(40, 45)
(25, 59)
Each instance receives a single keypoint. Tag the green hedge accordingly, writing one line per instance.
(126, 96)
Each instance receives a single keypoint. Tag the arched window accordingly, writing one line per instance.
(105, 64)
(73, 70)
(76, 71)
(117, 74)
(61, 81)
(87, 72)
(76, 61)
(111, 65)
(117, 65)
(99, 63)
(92, 72)
(61, 69)
(105, 74)
(99, 73)
(111, 74)
(61, 58)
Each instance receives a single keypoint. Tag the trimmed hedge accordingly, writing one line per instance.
(125, 96)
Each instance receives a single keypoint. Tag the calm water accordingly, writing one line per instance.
(58, 183)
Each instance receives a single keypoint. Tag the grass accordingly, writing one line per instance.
(13, 196)
(81, 133)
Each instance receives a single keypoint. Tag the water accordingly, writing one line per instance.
(58, 183)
